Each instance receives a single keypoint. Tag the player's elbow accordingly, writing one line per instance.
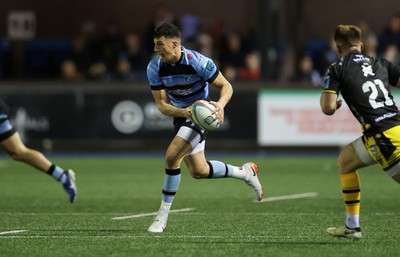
(328, 110)
(328, 103)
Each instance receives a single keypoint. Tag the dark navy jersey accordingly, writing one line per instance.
(185, 81)
(364, 82)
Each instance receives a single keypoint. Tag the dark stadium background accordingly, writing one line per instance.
(81, 111)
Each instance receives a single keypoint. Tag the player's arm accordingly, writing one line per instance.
(225, 95)
(329, 102)
(162, 102)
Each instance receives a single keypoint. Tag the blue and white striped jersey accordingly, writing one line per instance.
(185, 81)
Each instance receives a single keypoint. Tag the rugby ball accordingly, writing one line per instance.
(203, 116)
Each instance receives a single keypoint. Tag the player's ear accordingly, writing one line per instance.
(339, 49)
(361, 46)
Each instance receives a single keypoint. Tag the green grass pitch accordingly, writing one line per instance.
(36, 218)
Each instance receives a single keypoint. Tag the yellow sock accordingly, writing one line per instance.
(351, 192)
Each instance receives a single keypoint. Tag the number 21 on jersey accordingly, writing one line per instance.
(374, 87)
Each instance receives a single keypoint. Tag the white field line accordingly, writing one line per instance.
(193, 213)
(12, 232)
(150, 236)
(150, 214)
(288, 197)
(62, 213)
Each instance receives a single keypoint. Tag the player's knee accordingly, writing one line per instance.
(348, 161)
(196, 175)
(16, 155)
(199, 173)
(171, 160)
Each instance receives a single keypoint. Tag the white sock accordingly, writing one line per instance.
(352, 220)
(165, 206)
(239, 172)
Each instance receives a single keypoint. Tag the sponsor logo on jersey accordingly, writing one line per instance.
(385, 116)
(210, 65)
(182, 92)
(367, 69)
(361, 58)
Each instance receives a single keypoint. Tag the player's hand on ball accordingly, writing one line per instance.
(219, 111)
(207, 115)
(189, 113)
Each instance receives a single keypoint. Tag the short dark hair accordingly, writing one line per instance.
(167, 30)
(347, 36)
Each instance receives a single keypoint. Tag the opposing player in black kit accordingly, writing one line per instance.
(364, 83)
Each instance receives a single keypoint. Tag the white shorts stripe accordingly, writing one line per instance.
(193, 137)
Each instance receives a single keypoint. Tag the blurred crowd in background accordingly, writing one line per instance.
(107, 53)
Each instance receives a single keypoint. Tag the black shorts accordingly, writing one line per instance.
(180, 121)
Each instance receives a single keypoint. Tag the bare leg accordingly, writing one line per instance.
(16, 149)
(176, 152)
(197, 165)
(348, 160)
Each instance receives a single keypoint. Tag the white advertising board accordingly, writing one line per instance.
(294, 118)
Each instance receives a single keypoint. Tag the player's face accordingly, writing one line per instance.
(165, 48)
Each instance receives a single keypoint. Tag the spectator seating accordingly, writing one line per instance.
(43, 57)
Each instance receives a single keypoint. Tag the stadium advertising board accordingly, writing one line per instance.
(87, 115)
(294, 118)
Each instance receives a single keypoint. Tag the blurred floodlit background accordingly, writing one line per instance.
(73, 72)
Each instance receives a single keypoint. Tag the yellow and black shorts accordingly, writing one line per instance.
(382, 148)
